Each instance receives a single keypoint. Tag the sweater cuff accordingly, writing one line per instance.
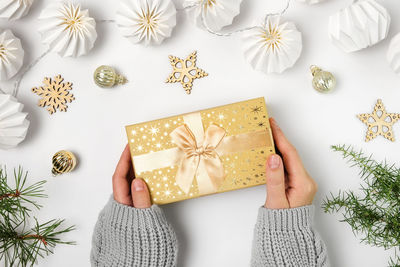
(286, 219)
(126, 215)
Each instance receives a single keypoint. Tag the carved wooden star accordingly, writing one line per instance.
(379, 122)
(185, 71)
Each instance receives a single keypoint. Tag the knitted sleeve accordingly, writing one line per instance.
(286, 237)
(126, 236)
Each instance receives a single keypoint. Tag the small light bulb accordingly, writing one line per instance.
(105, 76)
(323, 81)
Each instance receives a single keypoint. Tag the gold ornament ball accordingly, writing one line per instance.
(323, 81)
(63, 162)
(105, 76)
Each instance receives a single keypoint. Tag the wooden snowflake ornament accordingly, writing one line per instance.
(55, 94)
(379, 122)
(185, 71)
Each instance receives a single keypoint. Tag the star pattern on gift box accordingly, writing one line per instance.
(379, 122)
(256, 109)
(243, 169)
(185, 71)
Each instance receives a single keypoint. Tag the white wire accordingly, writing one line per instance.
(27, 68)
(203, 20)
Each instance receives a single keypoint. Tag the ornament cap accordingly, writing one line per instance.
(314, 69)
(120, 79)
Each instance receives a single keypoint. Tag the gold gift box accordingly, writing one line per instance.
(201, 153)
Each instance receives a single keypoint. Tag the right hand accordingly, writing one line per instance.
(127, 189)
(288, 183)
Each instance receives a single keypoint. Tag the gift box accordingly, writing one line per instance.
(205, 152)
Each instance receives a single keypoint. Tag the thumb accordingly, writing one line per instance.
(276, 190)
(140, 194)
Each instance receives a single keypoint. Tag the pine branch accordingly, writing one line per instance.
(372, 214)
(13, 201)
(18, 246)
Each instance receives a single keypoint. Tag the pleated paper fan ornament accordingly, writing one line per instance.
(217, 13)
(273, 47)
(11, 55)
(13, 122)
(146, 21)
(14, 9)
(311, 2)
(393, 53)
(362, 24)
(67, 29)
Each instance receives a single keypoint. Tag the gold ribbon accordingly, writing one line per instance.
(200, 160)
(198, 153)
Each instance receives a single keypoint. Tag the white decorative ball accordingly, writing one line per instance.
(393, 53)
(146, 21)
(273, 47)
(362, 24)
(14, 9)
(13, 122)
(217, 13)
(11, 55)
(67, 29)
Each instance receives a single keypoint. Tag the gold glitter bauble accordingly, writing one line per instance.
(63, 162)
(105, 76)
(323, 81)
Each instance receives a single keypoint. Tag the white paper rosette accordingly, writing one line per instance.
(310, 2)
(14, 9)
(13, 122)
(362, 24)
(146, 21)
(273, 47)
(11, 55)
(67, 29)
(217, 13)
(393, 53)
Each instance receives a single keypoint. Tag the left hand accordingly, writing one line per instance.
(127, 189)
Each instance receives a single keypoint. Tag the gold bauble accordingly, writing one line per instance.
(63, 162)
(323, 81)
(105, 76)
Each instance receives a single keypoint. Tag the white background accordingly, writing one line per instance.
(214, 230)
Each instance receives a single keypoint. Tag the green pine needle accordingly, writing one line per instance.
(373, 214)
(19, 245)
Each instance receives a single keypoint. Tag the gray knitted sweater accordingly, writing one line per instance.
(126, 236)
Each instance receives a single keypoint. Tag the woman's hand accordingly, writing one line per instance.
(288, 183)
(127, 189)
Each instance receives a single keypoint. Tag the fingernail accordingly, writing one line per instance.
(138, 185)
(274, 162)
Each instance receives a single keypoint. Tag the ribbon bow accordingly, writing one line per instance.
(199, 159)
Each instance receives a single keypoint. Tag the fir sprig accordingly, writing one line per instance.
(374, 213)
(20, 246)
(13, 201)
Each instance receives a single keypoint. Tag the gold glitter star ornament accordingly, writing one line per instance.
(55, 94)
(67, 29)
(379, 122)
(146, 21)
(272, 47)
(185, 71)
